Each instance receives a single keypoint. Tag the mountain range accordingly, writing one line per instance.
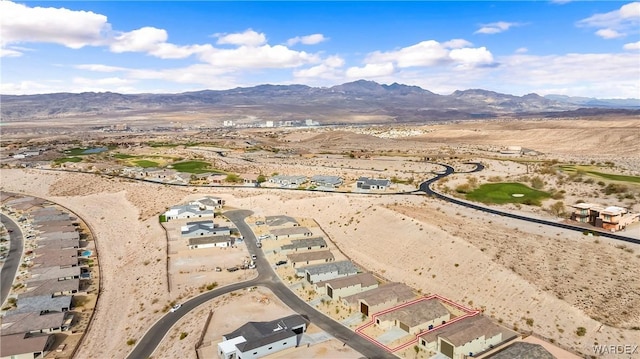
(396, 102)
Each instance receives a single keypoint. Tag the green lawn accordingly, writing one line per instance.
(68, 159)
(500, 193)
(146, 163)
(590, 170)
(123, 156)
(192, 167)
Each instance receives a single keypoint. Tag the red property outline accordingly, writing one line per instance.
(469, 313)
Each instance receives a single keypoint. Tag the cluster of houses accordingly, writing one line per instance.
(200, 229)
(58, 268)
(329, 182)
(439, 325)
(610, 218)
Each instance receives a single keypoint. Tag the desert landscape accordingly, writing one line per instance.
(530, 278)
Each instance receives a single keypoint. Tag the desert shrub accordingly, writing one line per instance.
(581, 331)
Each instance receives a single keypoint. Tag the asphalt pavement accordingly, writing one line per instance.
(12, 262)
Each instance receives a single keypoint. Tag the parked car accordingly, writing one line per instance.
(218, 269)
(259, 244)
(254, 257)
(232, 269)
(175, 307)
(279, 263)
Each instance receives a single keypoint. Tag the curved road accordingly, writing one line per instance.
(11, 264)
(267, 278)
(426, 187)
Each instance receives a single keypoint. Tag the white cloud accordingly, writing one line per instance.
(425, 53)
(371, 70)
(99, 68)
(632, 46)
(265, 56)
(615, 23)
(7, 52)
(522, 50)
(140, 40)
(73, 29)
(495, 27)
(328, 69)
(608, 34)
(107, 81)
(246, 38)
(472, 56)
(432, 53)
(307, 40)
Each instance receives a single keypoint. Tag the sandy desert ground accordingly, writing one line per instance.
(512, 270)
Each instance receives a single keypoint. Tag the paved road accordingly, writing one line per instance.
(426, 187)
(267, 278)
(11, 264)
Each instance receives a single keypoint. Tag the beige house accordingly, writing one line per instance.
(304, 244)
(465, 338)
(610, 218)
(381, 298)
(26, 346)
(308, 258)
(291, 232)
(416, 317)
(346, 286)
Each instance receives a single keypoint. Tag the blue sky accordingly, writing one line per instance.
(578, 48)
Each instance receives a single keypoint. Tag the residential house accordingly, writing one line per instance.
(26, 346)
(326, 181)
(522, 350)
(186, 212)
(203, 228)
(278, 221)
(467, 337)
(366, 183)
(381, 298)
(209, 203)
(57, 258)
(346, 286)
(288, 181)
(326, 271)
(250, 179)
(35, 323)
(42, 304)
(304, 244)
(57, 244)
(309, 258)
(611, 218)
(210, 242)
(51, 287)
(415, 317)
(54, 272)
(259, 339)
(59, 236)
(290, 232)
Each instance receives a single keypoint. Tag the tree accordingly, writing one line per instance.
(233, 178)
(261, 178)
(557, 209)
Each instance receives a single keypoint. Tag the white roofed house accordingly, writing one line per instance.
(221, 241)
(326, 181)
(325, 271)
(277, 221)
(288, 181)
(259, 339)
(209, 203)
(187, 211)
(366, 183)
(203, 228)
